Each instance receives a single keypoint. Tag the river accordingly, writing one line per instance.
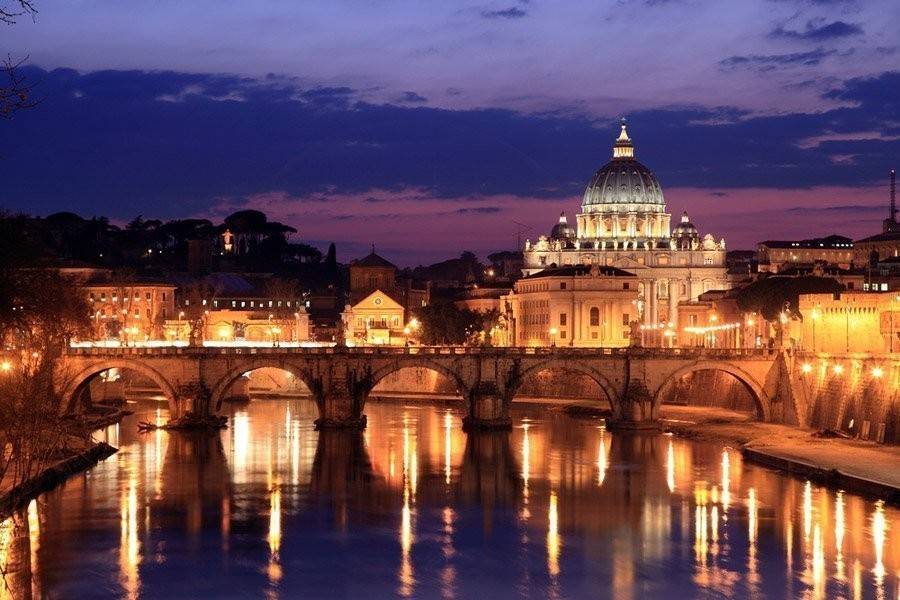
(414, 507)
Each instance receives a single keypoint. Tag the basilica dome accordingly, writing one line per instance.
(562, 230)
(623, 181)
(685, 234)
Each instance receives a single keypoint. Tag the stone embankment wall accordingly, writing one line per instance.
(857, 396)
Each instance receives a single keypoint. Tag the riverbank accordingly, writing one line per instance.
(81, 455)
(857, 466)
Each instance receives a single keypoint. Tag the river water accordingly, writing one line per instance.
(414, 507)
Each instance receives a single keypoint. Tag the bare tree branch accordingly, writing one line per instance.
(19, 8)
(16, 93)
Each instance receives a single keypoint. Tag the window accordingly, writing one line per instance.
(148, 295)
(164, 296)
(562, 334)
(137, 313)
(543, 260)
(562, 319)
(593, 335)
(595, 316)
(626, 286)
(626, 318)
(707, 260)
(103, 296)
(164, 315)
(562, 285)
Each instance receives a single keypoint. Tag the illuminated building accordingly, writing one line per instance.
(578, 305)
(376, 273)
(376, 319)
(850, 322)
(132, 310)
(624, 224)
(775, 256)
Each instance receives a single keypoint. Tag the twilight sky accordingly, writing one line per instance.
(430, 127)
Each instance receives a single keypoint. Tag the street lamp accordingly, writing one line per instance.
(553, 332)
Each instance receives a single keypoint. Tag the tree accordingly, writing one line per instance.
(445, 323)
(16, 90)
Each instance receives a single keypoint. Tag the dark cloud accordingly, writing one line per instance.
(770, 61)
(852, 209)
(513, 12)
(411, 98)
(479, 210)
(819, 31)
(120, 150)
(718, 194)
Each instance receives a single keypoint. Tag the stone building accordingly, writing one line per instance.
(376, 273)
(624, 224)
(376, 319)
(774, 256)
(885, 245)
(575, 305)
(129, 310)
(849, 322)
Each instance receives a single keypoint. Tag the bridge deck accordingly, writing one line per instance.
(506, 352)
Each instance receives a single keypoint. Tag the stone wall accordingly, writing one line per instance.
(855, 396)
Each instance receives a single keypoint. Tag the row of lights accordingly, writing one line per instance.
(712, 328)
(838, 369)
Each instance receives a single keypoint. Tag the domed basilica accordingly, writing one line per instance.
(623, 223)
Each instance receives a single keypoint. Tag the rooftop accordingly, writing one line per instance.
(832, 241)
(580, 271)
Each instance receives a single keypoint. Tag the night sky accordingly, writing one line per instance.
(429, 127)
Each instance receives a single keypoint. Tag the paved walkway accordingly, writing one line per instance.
(865, 467)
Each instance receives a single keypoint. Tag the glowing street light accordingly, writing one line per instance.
(877, 372)
(553, 332)
(5, 366)
(806, 368)
(838, 369)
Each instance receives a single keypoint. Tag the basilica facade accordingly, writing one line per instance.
(624, 224)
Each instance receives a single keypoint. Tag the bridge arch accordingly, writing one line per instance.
(383, 371)
(748, 381)
(224, 382)
(74, 386)
(575, 366)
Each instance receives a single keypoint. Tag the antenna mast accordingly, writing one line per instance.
(893, 195)
(521, 227)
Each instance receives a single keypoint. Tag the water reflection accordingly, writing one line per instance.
(414, 507)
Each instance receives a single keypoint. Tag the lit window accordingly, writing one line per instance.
(626, 318)
(595, 317)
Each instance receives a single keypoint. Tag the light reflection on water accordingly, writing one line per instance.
(416, 508)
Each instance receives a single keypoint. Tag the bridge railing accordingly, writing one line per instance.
(633, 352)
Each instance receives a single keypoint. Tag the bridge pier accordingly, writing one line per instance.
(635, 410)
(488, 409)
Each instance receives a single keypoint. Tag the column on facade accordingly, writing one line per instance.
(573, 326)
(674, 291)
(606, 322)
(615, 221)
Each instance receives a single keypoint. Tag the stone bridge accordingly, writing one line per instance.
(635, 381)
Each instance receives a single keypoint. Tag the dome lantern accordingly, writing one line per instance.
(623, 183)
(623, 148)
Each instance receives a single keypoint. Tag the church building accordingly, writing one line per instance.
(624, 224)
